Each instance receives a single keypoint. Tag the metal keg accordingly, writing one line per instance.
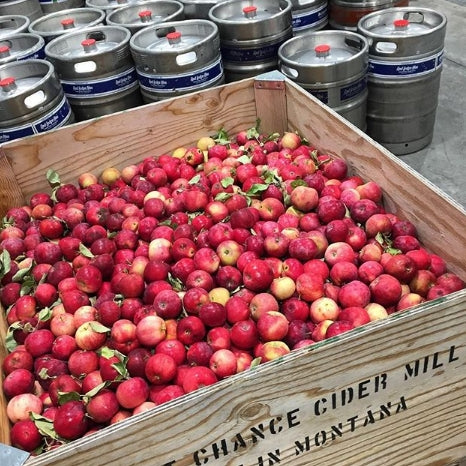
(22, 46)
(140, 15)
(51, 6)
(109, 5)
(13, 24)
(31, 100)
(176, 58)
(61, 22)
(96, 70)
(345, 14)
(29, 8)
(405, 64)
(198, 9)
(332, 66)
(250, 35)
(308, 15)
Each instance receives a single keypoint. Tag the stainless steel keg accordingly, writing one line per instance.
(51, 6)
(109, 5)
(22, 46)
(405, 64)
(29, 8)
(61, 22)
(198, 9)
(96, 70)
(308, 15)
(176, 58)
(140, 15)
(251, 34)
(31, 100)
(345, 14)
(332, 66)
(13, 24)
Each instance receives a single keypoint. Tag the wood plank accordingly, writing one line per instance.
(10, 191)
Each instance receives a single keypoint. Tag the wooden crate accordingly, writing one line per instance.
(392, 392)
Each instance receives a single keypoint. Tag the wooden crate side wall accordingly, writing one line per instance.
(124, 138)
(421, 422)
(406, 193)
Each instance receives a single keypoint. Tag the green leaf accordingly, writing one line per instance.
(256, 189)
(85, 251)
(20, 275)
(255, 362)
(5, 263)
(393, 251)
(96, 389)
(53, 178)
(10, 342)
(107, 352)
(44, 374)
(244, 159)
(64, 397)
(45, 314)
(296, 183)
(221, 137)
(253, 133)
(379, 238)
(98, 327)
(222, 197)
(272, 137)
(176, 283)
(120, 367)
(228, 181)
(195, 179)
(44, 425)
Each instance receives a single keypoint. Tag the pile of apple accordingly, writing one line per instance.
(143, 284)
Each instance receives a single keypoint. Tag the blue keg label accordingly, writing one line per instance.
(353, 89)
(101, 86)
(185, 82)
(54, 119)
(250, 55)
(402, 69)
(309, 18)
(40, 54)
(321, 95)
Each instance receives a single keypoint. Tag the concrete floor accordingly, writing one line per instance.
(443, 162)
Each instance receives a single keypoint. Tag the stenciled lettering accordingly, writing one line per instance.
(429, 363)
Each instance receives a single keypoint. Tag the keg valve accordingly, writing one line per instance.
(89, 45)
(67, 23)
(145, 16)
(322, 50)
(4, 51)
(250, 11)
(401, 24)
(8, 84)
(174, 38)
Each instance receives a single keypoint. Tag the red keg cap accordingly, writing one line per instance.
(88, 42)
(322, 50)
(250, 11)
(5, 82)
(67, 22)
(145, 13)
(4, 49)
(401, 23)
(173, 36)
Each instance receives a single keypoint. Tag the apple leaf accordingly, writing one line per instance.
(44, 374)
(255, 362)
(96, 389)
(5, 263)
(20, 275)
(85, 251)
(53, 178)
(120, 367)
(10, 342)
(222, 197)
(44, 425)
(256, 189)
(253, 133)
(228, 181)
(273, 137)
(221, 137)
(195, 179)
(45, 314)
(244, 159)
(64, 397)
(98, 327)
(106, 352)
(298, 182)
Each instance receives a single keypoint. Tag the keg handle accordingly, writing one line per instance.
(35, 100)
(290, 73)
